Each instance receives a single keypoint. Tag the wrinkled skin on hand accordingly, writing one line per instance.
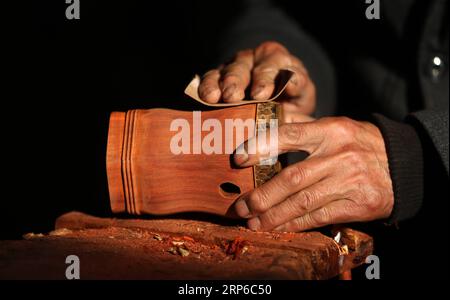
(255, 71)
(346, 175)
(344, 179)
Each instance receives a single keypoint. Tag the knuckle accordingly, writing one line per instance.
(258, 202)
(292, 133)
(321, 217)
(269, 219)
(372, 202)
(283, 60)
(305, 201)
(344, 127)
(295, 175)
(270, 46)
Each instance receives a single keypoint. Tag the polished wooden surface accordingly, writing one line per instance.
(145, 177)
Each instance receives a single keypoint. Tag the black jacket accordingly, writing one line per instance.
(393, 71)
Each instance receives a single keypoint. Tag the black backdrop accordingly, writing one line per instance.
(68, 75)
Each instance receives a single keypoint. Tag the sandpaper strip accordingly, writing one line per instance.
(281, 82)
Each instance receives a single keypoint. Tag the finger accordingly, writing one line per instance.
(263, 81)
(236, 77)
(297, 205)
(336, 212)
(269, 59)
(288, 137)
(209, 89)
(286, 183)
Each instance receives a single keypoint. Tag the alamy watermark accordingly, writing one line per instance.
(373, 270)
(213, 136)
(373, 10)
(73, 9)
(73, 268)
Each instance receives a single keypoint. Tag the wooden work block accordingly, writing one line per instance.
(179, 249)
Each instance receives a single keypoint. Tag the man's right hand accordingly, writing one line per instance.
(255, 71)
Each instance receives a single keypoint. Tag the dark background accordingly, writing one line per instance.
(120, 55)
(72, 74)
(68, 75)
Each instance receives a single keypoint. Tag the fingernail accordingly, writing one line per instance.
(254, 223)
(242, 208)
(240, 155)
(228, 92)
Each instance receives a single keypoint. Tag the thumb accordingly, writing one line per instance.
(265, 147)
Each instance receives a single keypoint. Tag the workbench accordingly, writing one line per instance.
(173, 248)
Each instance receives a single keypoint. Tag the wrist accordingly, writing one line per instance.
(405, 158)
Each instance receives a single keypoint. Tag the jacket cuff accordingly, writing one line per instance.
(405, 157)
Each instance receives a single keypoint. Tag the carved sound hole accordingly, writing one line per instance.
(229, 190)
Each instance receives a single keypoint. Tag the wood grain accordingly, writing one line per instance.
(146, 177)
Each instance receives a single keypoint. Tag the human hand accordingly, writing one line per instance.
(255, 70)
(344, 179)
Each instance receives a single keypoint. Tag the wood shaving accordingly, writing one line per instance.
(236, 247)
(32, 235)
(60, 232)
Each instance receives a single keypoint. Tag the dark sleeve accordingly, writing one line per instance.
(435, 124)
(416, 148)
(260, 21)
